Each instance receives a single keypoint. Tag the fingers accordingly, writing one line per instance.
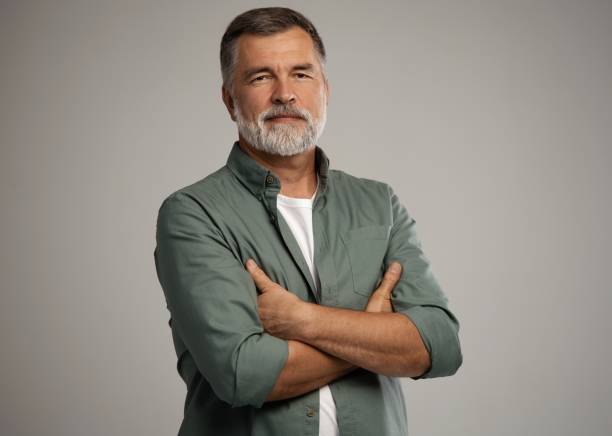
(390, 279)
(262, 281)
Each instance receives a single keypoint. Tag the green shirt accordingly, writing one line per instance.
(205, 234)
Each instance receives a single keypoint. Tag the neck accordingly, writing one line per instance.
(297, 173)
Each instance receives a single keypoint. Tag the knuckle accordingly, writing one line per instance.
(389, 279)
(393, 275)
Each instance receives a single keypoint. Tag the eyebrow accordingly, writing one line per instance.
(252, 71)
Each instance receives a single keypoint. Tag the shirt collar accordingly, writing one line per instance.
(258, 178)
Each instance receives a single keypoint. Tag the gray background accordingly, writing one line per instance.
(492, 120)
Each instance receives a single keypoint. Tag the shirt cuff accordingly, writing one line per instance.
(261, 359)
(439, 332)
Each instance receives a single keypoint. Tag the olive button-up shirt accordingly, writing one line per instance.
(205, 234)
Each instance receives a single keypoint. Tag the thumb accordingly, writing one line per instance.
(390, 279)
(262, 281)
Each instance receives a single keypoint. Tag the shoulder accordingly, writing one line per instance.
(202, 193)
(346, 183)
(192, 209)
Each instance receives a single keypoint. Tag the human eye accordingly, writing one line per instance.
(259, 79)
(302, 75)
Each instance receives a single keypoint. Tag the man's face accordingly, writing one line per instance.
(278, 75)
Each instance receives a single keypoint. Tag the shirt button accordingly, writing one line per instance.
(269, 180)
(310, 412)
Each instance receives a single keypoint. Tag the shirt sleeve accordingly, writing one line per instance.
(419, 297)
(212, 300)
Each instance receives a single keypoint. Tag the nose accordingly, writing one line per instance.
(283, 93)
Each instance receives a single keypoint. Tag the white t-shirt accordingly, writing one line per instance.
(297, 212)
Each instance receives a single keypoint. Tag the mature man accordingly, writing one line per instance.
(298, 294)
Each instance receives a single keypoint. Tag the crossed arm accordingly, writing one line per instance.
(326, 343)
(314, 344)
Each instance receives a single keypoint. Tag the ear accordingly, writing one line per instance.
(229, 102)
(327, 91)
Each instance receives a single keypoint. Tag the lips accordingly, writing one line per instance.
(285, 116)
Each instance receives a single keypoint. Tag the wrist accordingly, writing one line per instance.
(306, 313)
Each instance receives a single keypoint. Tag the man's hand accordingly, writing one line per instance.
(281, 312)
(380, 300)
(284, 315)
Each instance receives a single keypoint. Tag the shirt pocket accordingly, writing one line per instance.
(365, 249)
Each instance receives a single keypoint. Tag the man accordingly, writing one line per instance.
(271, 265)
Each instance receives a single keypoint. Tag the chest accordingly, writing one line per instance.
(348, 249)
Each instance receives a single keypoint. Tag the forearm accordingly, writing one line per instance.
(384, 343)
(306, 369)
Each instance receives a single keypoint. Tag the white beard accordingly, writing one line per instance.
(280, 138)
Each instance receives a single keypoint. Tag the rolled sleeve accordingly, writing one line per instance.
(418, 295)
(439, 332)
(260, 361)
(212, 300)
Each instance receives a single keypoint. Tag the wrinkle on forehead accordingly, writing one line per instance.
(277, 51)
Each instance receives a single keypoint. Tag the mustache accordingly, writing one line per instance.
(288, 111)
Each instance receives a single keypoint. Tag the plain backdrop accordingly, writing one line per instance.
(491, 120)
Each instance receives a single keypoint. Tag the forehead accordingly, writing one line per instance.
(290, 46)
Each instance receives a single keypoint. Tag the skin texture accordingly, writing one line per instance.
(324, 343)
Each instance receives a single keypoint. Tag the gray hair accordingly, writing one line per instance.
(263, 21)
